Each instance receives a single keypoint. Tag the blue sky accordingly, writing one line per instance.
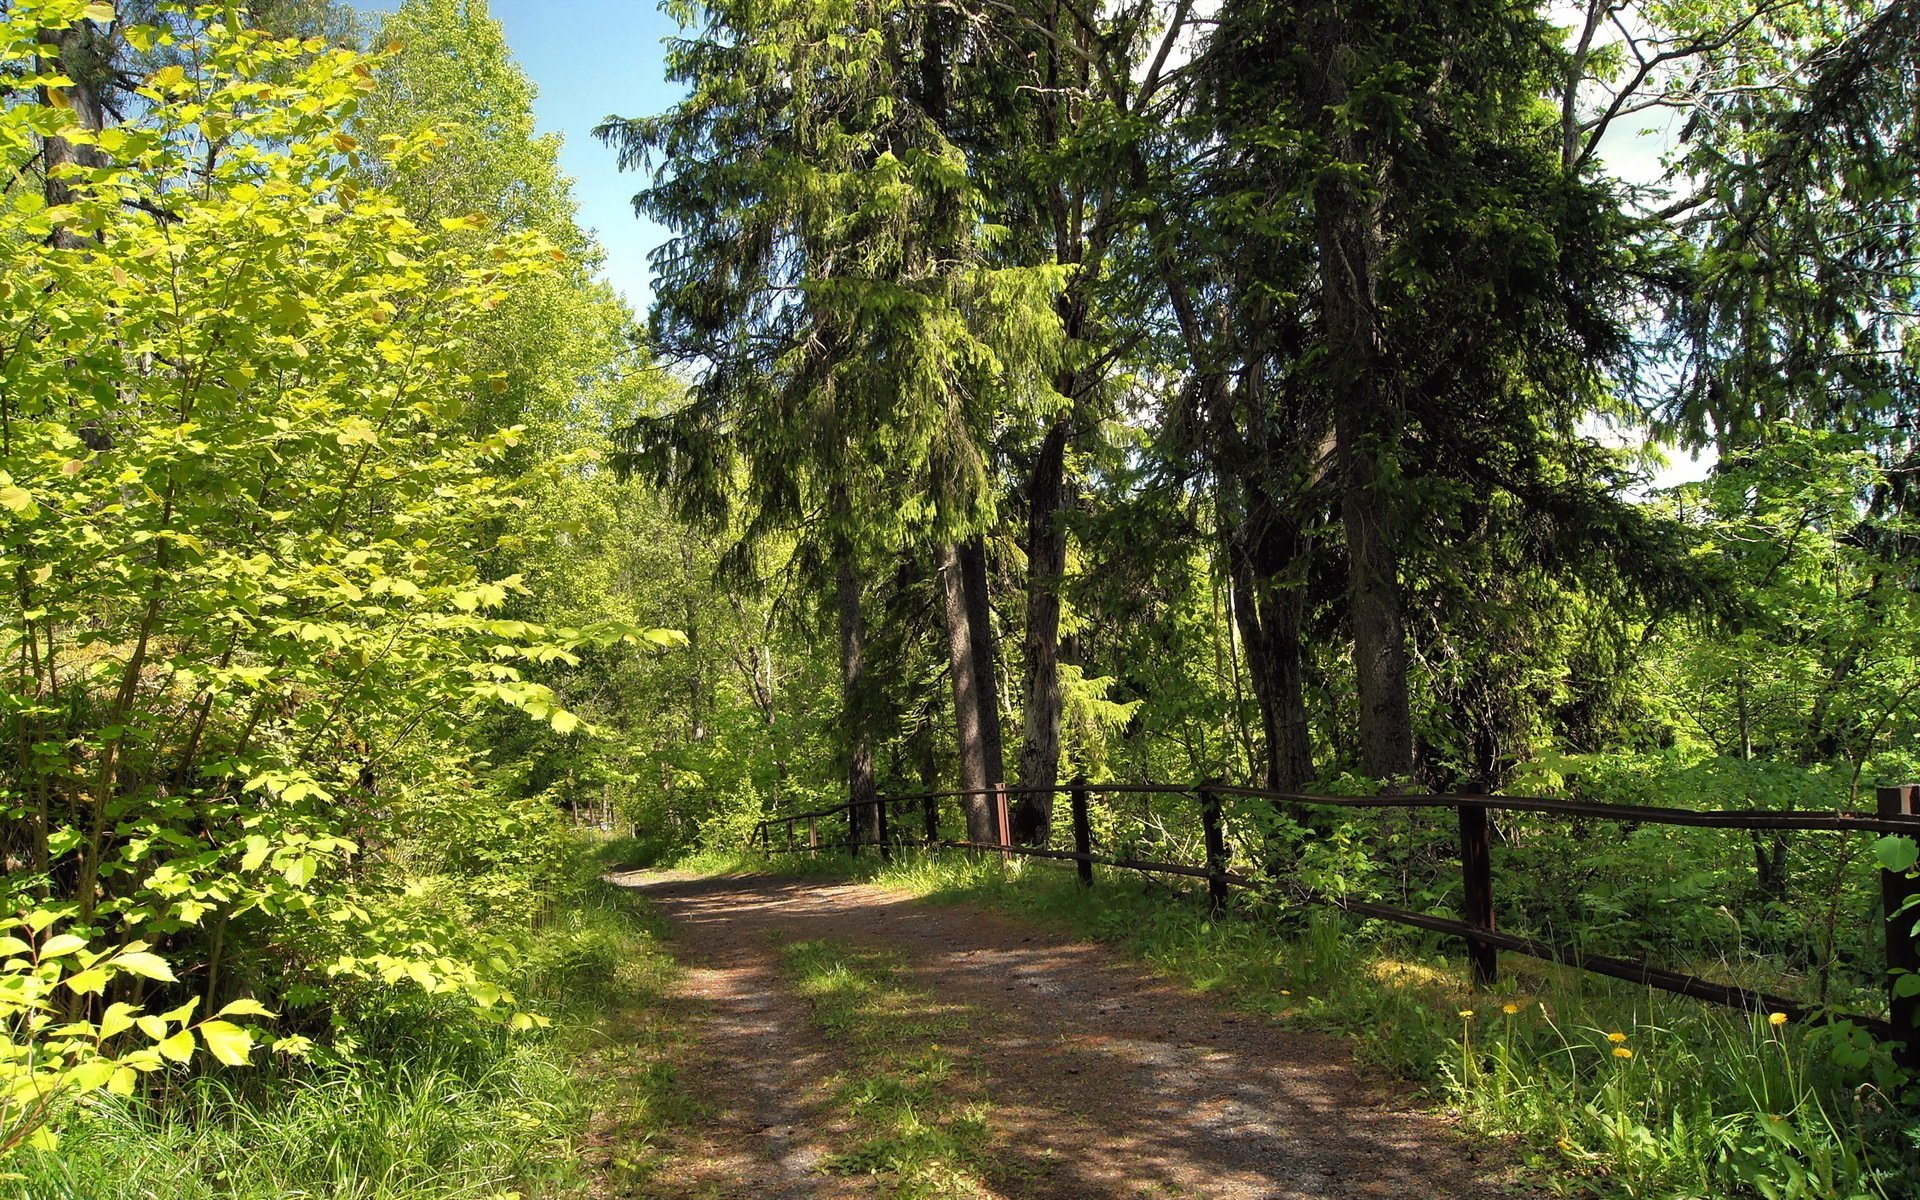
(589, 59)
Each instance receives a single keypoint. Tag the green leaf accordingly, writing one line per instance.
(1896, 852)
(118, 1019)
(145, 964)
(61, 944)
(245, 1007)
(257, 848)
(178, 1048)
(91, 981)
(227, 1042)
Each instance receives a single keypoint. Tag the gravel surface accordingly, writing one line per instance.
(1104, 1081)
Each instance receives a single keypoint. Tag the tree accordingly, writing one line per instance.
(854, 351)
(1435, 367)
(248, 619)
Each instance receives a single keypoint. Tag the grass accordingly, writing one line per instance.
(1602, 1088)
(433, 1104)
(915, 1123)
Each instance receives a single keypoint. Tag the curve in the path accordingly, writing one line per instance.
(1105, 1082)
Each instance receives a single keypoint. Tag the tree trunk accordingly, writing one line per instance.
(986, 656)
(77, 52)
(1366, 436)
(864, 817)
(1266, 559)
(976, 716)
(1046, 564)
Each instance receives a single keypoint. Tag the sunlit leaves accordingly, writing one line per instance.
(246, 544)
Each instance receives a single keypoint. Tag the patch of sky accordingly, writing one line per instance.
(590, 59)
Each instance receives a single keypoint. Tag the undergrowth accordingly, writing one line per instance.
(1603, 1087)
(415, 1099)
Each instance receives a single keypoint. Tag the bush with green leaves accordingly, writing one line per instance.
(247, 546)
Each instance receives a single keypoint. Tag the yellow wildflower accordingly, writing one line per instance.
(1467, 1014)
(1616, 1038)
(1776, 1018)
(1622, 1052)
(1509, 1009)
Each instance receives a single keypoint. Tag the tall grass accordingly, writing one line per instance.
(1603, 1087)
(417, 1100)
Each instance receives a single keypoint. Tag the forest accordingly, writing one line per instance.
(1355, 398)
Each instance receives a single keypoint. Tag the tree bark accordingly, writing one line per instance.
(863, 817)
(1046, 565)
(1267, 558)
(976, 714)
(77, 52)
(1367, 425)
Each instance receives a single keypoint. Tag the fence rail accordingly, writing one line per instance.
(1897, 811)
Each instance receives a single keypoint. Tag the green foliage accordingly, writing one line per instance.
(252, 612)
(430, 1101)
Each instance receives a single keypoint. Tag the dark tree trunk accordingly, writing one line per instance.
(1267, 558)
(976, 715)
(864, 819)
(1366, 421)
(1046, 564)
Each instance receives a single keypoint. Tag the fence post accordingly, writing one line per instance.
(1903, 952)
(1476, 876)
(1082, 830)
(1216, 848)
(880, 815)
(789, 835)
(813, 836)
(1003, 819)
(931, 814)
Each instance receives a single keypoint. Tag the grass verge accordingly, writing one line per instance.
(916, 1124)
(430, 1104)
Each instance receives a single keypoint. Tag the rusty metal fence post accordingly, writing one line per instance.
(1003, 819)
(1082, 830)
(1216, 837)
(1476, 879)
(1903, 952)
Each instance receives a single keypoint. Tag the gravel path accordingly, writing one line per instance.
(1104, 1081)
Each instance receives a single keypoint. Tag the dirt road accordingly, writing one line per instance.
(1103, 1080)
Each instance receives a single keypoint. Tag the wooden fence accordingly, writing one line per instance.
(1897, 811)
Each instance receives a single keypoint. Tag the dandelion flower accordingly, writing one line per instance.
(1776, 1019)
(1616, 1038)
(1285, 992)
(1466, 1014)
(1622, 1052)
(1509, 1009)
